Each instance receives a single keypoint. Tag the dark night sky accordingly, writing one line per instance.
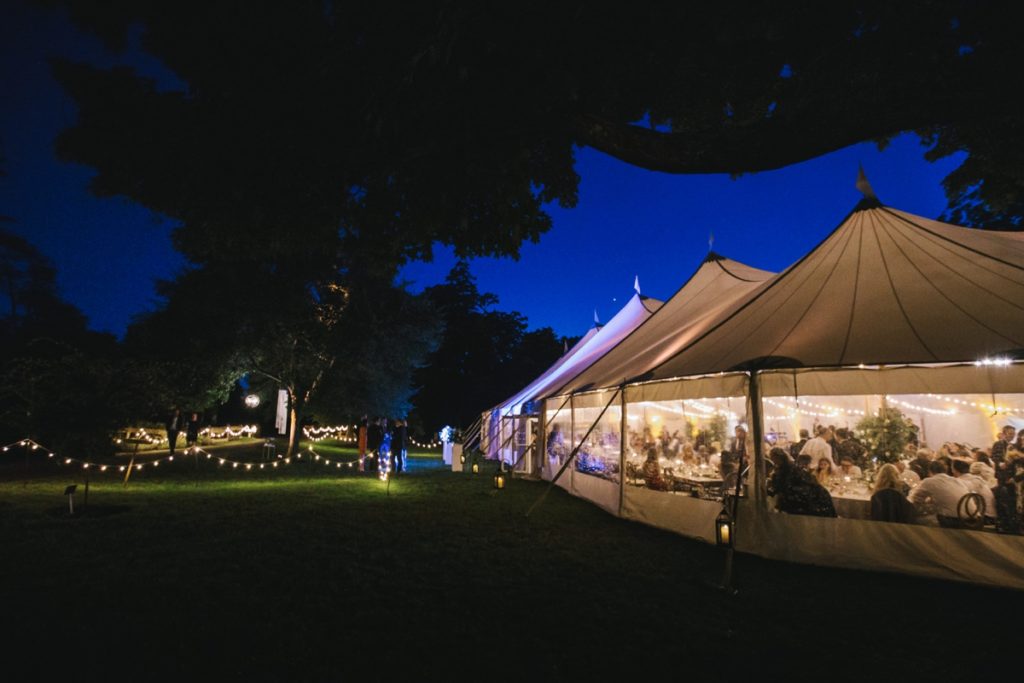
(628, 221)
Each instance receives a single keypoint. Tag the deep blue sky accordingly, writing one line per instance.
(628, 221)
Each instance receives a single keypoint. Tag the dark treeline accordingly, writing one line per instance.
(71, 388)
(308, 150)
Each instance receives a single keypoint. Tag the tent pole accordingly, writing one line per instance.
(575, 450)
(514, 443)
(572, 437)
(622, 451)
(757, 430)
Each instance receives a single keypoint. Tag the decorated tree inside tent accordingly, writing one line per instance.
(716, 431)
(886, 433)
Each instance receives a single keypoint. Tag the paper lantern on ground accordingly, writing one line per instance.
(476, 468)
(499, 480)
(724, 529)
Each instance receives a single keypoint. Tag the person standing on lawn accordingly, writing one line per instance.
(399, 444)
(192, 430)
(363, 423)
(374, 438)
(173, 425)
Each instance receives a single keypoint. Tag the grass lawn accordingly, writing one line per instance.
(308, 572)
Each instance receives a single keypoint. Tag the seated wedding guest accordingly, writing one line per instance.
(673, 445)
(975, 484)
(848, 469)
(888, 504)
(652, 472)
(804, 462)
(689, 457)
(981, 455)
(714, 457)
(732, 468)
(775, 457)
(819, 447)
(824, 472)
(702, 454)
(922, 462)
(907, 475)
(943, 490)
(727, 470)
(987, 474)
(796, 492)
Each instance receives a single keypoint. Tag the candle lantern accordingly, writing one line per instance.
(476, 468)
(499, 480)
(724, 529)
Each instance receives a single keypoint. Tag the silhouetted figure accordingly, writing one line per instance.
(173, 425)
(192, 430)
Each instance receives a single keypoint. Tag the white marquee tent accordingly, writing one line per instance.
(890, 309)
(507, 429)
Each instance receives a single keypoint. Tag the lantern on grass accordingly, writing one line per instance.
(499, 479)
(724, 529)
(462, 458)
(476, 468)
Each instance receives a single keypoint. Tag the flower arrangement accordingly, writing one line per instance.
(886, 434)
(447, 434)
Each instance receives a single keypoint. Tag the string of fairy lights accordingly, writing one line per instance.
(228, 463)
(344, 434)
(834, 411)
(229, 433)
(142, 436)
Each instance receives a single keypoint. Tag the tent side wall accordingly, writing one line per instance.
(956, 554)
(688, 514)
(697, 403)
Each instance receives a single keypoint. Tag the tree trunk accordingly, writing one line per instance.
(293, 422)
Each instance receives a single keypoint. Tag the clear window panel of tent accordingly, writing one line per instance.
(682, 446)
(873, 455)
(600, 446)
(557, 443)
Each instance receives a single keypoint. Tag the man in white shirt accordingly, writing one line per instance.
(943, 490)
(975, 484)
(907, 475)
(818, 447)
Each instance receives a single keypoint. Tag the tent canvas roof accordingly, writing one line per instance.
(885, 287)
(595, 344)
(702, 300)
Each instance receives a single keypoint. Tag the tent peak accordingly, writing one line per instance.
(870, 200)
(713, 256)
